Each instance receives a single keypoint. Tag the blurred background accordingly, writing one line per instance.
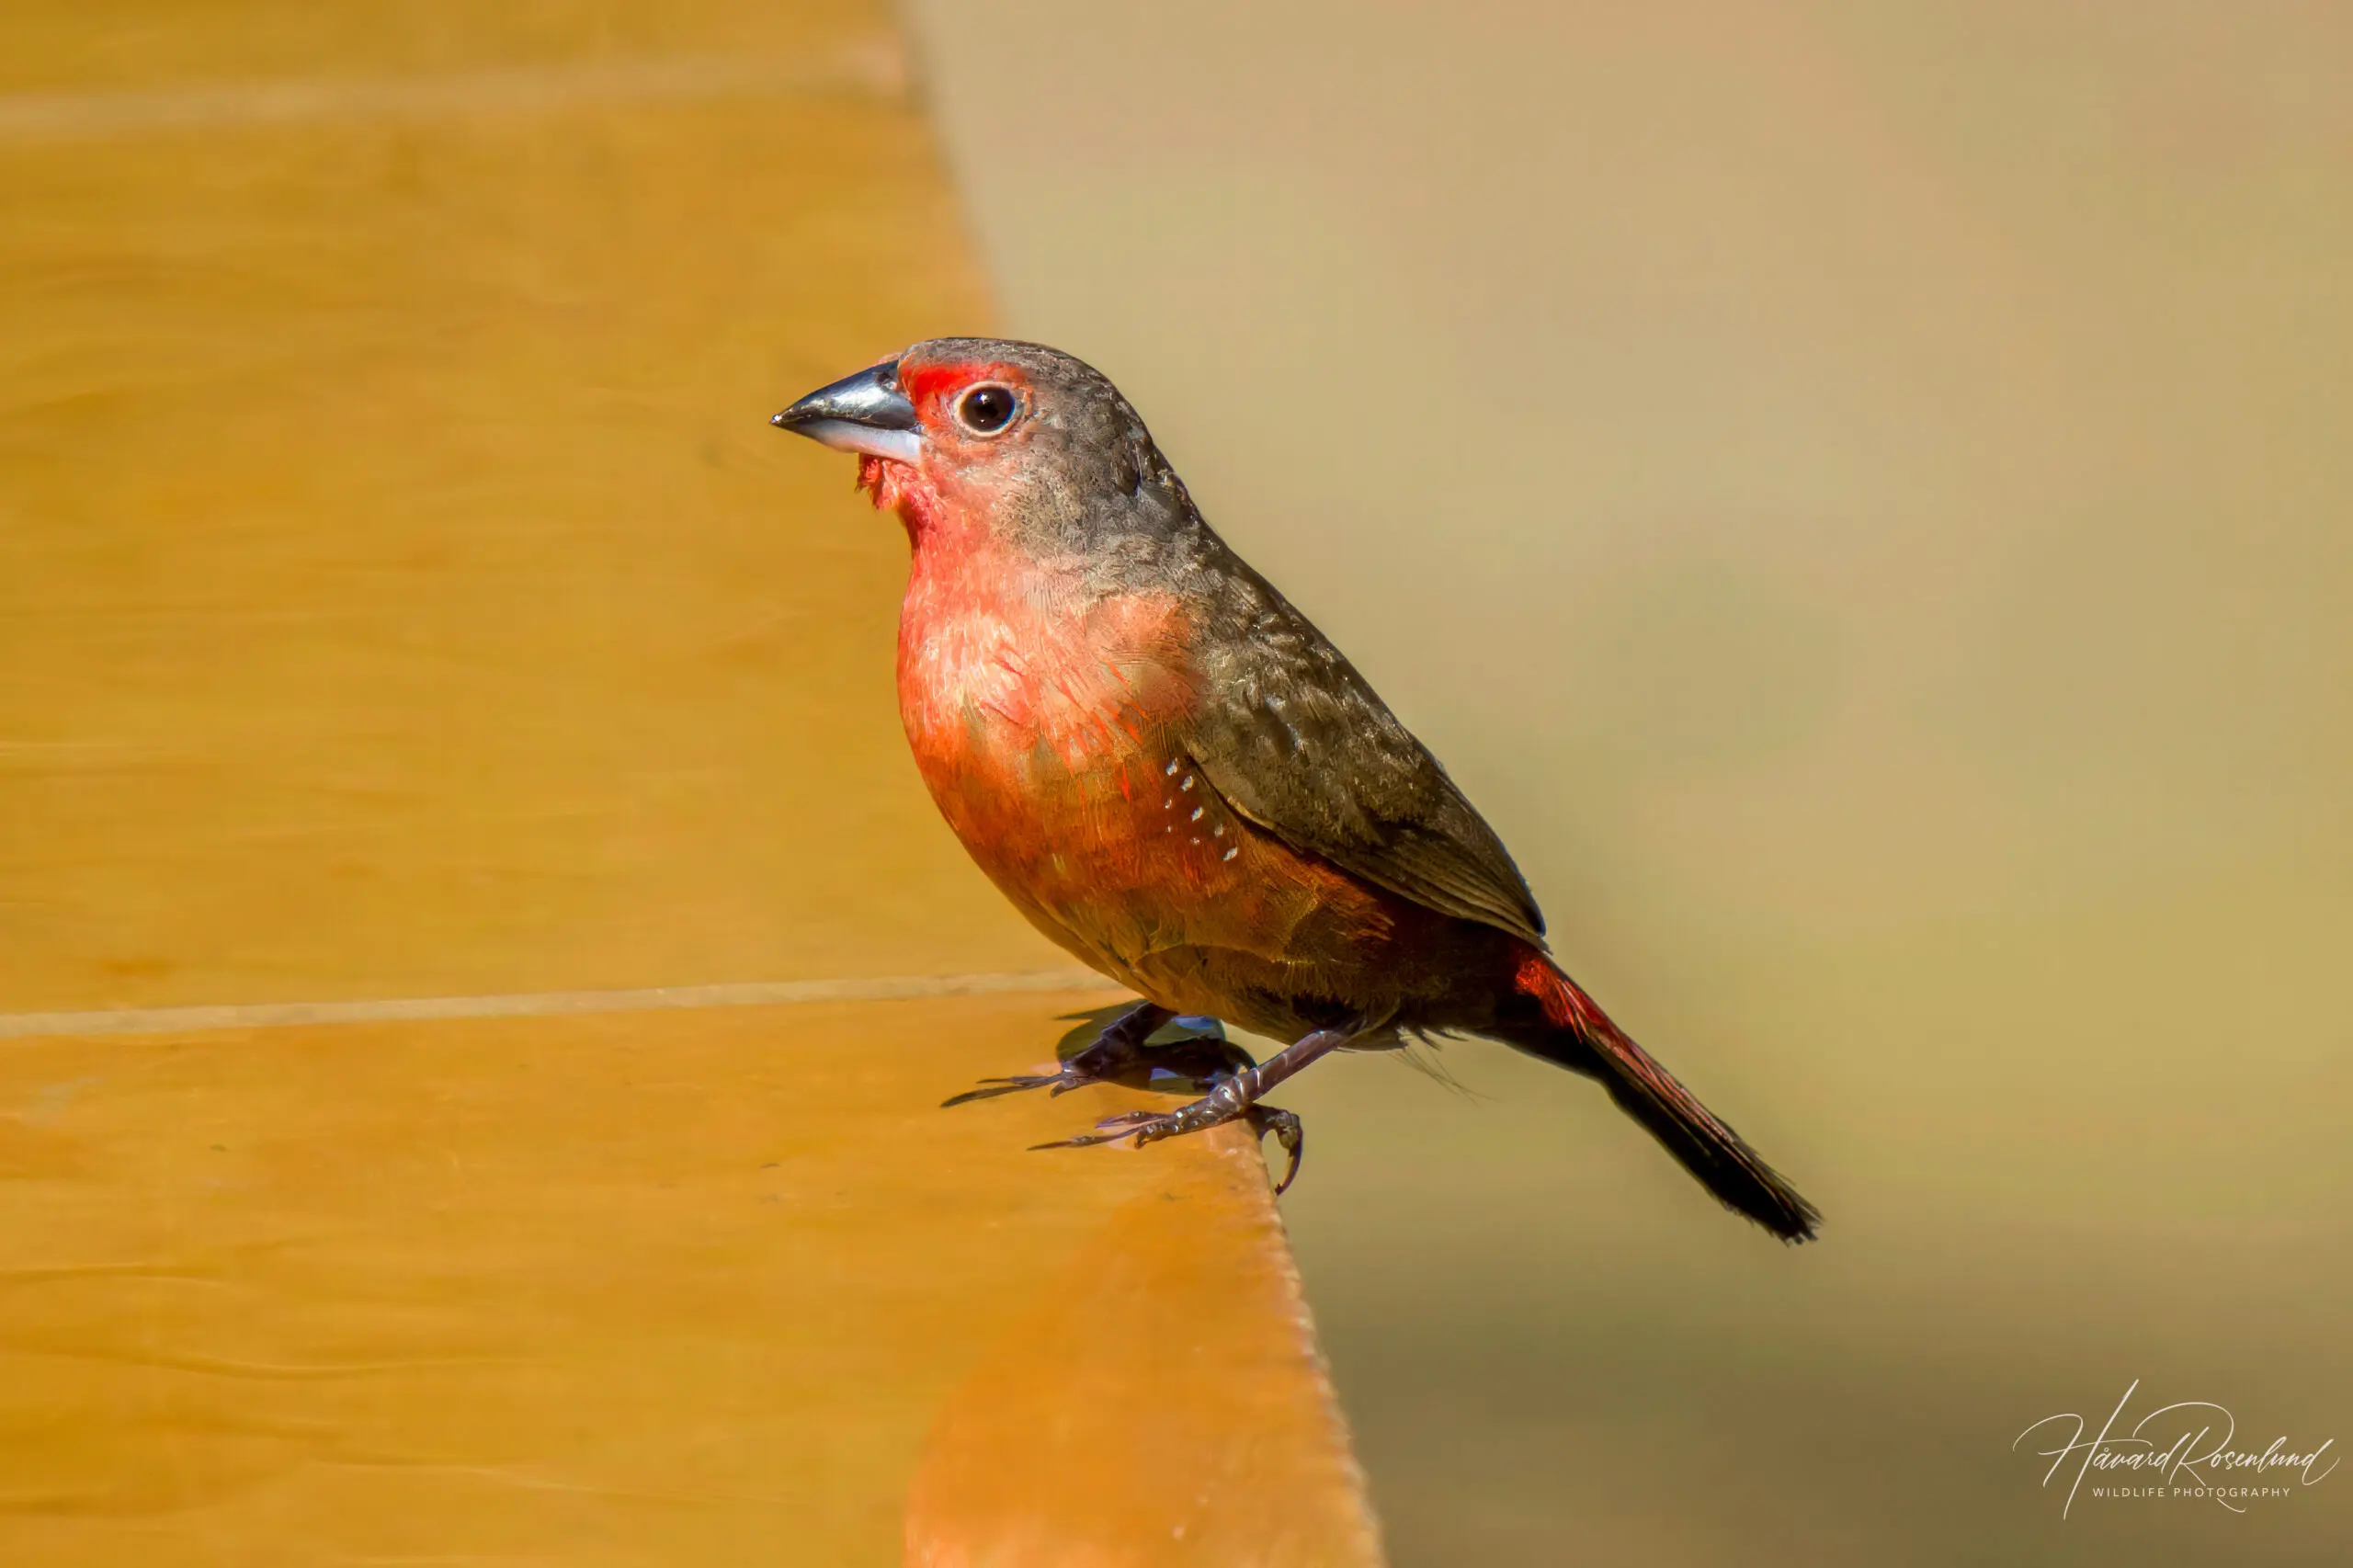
(1857, 494)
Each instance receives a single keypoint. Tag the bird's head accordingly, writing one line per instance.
(1013, 435)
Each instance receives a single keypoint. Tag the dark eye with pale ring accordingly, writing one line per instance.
(987, 409)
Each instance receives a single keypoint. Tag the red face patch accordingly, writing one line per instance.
(936, 389)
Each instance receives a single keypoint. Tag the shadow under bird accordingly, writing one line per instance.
(1181, 781)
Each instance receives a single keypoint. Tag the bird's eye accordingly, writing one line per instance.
(987, 409)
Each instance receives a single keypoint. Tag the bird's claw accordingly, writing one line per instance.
(1142, 1127)
(1289, 1131)
(1060, 1082)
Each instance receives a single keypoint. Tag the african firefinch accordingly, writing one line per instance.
(1181, 781)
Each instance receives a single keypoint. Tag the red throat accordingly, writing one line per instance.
(898, 488)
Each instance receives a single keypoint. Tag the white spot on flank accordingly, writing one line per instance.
(1197, 813)
(1218, 832)
(1187, 784)
(1172, 770)
(1231, 853)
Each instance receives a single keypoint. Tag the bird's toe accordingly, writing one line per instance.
(1288, 1131)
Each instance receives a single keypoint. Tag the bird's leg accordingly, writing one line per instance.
(1118, 1052)
(1236, 1094)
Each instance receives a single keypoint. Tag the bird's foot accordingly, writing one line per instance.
(1120, 1055)
(1235, 1096)
(1116, 1050)
(1062, 1083)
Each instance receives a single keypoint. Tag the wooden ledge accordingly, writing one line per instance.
(404, 597)
(707, 1287)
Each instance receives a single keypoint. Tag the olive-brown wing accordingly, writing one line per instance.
(1300, 743)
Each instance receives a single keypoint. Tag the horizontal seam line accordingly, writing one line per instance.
(539, 1004)
(873, 66)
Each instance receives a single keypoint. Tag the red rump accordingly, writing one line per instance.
(1565, 1004)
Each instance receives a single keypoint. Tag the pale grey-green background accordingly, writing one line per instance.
(1860, 494)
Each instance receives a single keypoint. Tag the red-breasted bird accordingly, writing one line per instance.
(1181, 781)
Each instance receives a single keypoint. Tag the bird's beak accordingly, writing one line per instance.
(864, 413)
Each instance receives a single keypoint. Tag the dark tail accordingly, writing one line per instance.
(1574, 1032)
